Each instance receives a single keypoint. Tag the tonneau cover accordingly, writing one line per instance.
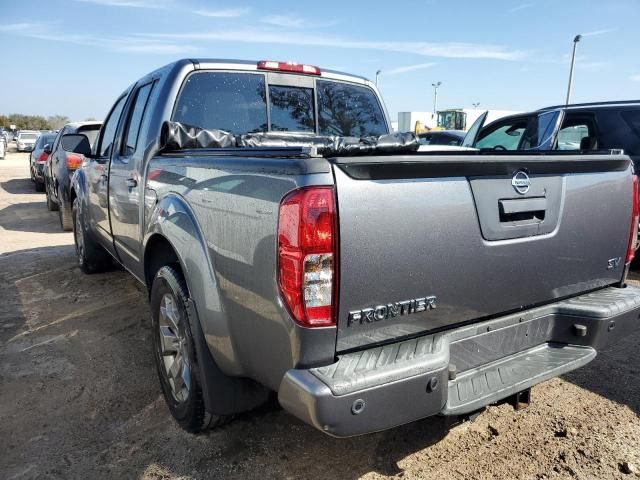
(179, 136)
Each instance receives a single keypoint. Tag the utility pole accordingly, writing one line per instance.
(435, 96)
(573, 62)
(378, 72)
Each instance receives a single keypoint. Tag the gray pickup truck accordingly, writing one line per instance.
(368, 285)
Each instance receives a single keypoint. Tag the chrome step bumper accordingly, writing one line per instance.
(497, 380)
(460, 370)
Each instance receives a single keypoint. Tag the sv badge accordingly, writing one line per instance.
(613, 263)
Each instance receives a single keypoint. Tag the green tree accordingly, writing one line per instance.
(56, 122)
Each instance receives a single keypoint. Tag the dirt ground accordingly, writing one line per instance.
(79, 396)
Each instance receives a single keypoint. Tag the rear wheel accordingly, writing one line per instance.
(91, 257)
(51, 205)
(64, 211)
(175, 353)
(39, 186)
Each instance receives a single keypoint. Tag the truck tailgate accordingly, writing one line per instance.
(427, 242)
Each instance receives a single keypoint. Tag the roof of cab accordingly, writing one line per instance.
(231, 63)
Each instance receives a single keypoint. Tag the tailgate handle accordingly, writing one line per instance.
(522, 209)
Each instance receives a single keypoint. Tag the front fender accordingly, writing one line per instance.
(173, 219)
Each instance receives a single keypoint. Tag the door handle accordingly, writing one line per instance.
(523, 210)
(523, 205)
(131, 182)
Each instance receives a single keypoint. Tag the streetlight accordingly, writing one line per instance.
(573, 62)
(475, 105)
(435, 96)
(378, 72)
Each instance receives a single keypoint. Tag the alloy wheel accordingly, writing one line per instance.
(173, 346)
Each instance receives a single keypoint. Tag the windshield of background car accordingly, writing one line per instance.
(28, 136)
(502, 135)
(237, 103)
(45, 139)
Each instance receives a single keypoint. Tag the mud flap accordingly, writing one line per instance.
(223, 395)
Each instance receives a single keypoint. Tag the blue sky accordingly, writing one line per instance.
(73, 57)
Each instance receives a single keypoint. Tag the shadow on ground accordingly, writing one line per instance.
(615, 373)
(30, 217)
(20, 186)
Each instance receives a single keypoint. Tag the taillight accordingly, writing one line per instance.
(288, 67)
(307, 255)
(635, 213)
(74, 161)
(43, 157)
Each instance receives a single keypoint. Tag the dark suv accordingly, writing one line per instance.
(59, 168)
(582, 127)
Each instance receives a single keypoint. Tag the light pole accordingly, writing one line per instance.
(435, 96)
(475, 105)
(573, 62)
(378, 72)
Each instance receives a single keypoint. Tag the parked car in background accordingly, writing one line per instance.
(441, 140)
(223, 180)
(59, 168)
(26, 140)
(4, 140)
(38, 159)
(580, 127)
(442, 137)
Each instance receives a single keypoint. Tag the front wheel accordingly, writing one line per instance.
(91, 257)
(175, 354)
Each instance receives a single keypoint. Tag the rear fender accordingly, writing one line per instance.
(174, 220)
(224, 391)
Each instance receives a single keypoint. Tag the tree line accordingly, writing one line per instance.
(33, 122)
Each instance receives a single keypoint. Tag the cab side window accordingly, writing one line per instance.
(110, 127)
(135, 120)
(577, 133)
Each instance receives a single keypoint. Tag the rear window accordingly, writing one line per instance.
(234, 102)
(28, 136)
(291, 109)
(237, 103)
(348, 110)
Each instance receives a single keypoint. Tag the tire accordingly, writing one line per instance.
(39, 186)
(64, 212)
(175, 353)
(51, 205)
(92, 258)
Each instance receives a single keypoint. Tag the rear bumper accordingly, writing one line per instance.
(460, 370)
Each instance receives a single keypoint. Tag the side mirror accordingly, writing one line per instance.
(76, 143)
(47, 149)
